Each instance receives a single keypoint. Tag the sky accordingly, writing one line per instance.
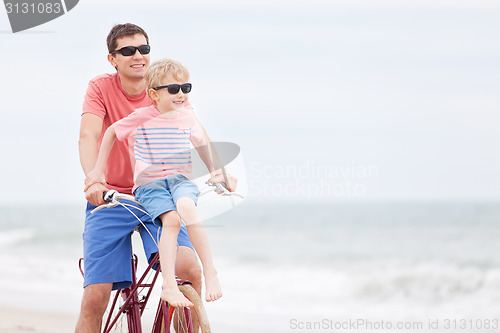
(330, 101)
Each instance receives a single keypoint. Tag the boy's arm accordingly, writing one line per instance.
(97, 174)
(199, 139)
(217, 171)
(204, 150)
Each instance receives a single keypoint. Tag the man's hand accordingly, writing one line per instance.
(94, 193)
(95, 186)
(226, 178)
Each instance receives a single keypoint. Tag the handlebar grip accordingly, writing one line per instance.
(109, 195)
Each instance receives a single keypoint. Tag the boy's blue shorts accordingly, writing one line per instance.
(107, 248)
(160, 196)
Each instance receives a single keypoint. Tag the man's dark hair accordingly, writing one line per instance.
(123, 30)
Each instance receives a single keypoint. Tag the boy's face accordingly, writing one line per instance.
(168, 102)
(134, 66)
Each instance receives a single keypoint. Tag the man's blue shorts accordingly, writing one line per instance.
(107, 248)
(160, 196)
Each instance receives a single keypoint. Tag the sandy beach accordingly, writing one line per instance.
(16, 320)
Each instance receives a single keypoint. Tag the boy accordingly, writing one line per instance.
(158, 137)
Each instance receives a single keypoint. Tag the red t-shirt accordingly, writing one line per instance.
(106, 98)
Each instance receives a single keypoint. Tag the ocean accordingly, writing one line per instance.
(399, 267)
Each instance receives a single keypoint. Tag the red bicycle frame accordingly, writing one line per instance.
(134, 307)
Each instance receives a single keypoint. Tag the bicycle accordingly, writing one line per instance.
(136, 296)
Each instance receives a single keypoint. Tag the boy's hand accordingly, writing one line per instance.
(228, 179)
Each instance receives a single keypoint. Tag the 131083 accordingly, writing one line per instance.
(471, 324)
(32, 8)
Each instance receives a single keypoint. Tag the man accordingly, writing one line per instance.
(109, 98)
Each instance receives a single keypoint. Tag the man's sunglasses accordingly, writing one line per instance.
(174, 88)
(128, 51)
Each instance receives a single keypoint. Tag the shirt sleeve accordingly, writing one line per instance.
(93, 101)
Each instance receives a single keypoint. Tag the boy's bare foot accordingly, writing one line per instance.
(213, 289)
(174, 297)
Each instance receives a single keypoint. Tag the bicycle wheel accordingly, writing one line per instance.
(180, 318)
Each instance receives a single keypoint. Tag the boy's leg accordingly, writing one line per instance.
(156, 198)
(171, 225)
(186, 208)
(188, 268)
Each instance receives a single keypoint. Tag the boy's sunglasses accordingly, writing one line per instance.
(128, 51)
(174, 88)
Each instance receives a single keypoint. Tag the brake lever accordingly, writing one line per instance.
(109, 197)
(221, 189)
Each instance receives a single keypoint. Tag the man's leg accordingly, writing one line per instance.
(187, 267)
(94, 303)
(106, 252)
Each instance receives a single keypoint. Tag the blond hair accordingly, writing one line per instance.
(161, 69)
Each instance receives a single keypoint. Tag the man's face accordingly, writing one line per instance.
(134, 66)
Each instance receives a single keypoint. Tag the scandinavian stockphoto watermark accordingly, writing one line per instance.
(311, 179)
(26, 14)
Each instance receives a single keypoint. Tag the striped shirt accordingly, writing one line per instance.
(159, 145)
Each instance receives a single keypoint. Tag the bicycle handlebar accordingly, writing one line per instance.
(113, 197)
(220, 189)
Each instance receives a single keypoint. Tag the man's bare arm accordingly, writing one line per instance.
(97, 175)
(90, 132)
(88, 145)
